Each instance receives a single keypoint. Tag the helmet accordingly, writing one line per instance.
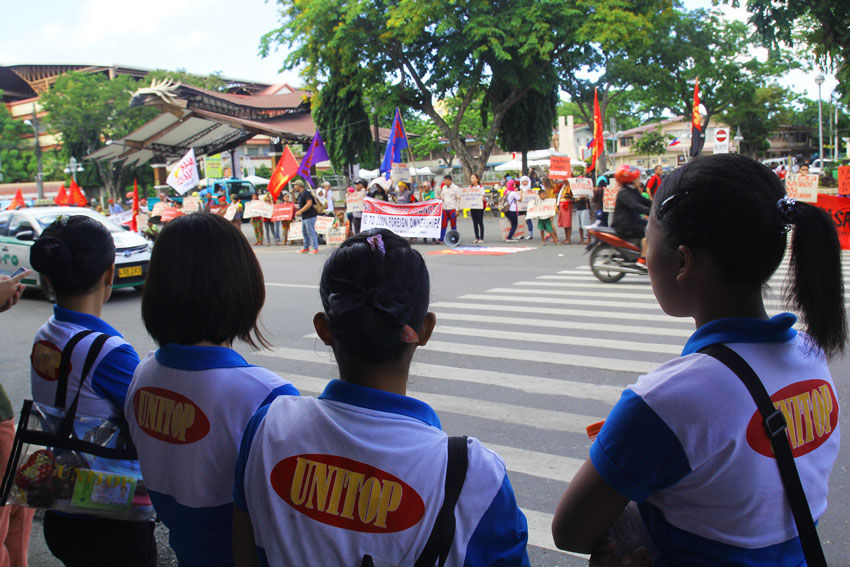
(627, 174)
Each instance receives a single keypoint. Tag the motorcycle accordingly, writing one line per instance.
(612, 257)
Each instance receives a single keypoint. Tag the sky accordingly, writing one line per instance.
(201, 36)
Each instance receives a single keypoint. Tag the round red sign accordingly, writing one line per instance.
(721, 135)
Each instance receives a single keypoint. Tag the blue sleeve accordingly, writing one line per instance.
(285, 390)
(242, 458)
(636, 452)
(113, 375)
(501, 536)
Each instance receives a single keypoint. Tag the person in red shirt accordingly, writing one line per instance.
(654, 182)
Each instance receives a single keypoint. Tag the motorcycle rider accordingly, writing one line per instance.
(629, 207)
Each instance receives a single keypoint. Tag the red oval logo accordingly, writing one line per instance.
(811, 414)
(169, 416)
(347, 494)
(45, 358)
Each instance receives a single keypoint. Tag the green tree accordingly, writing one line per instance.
(211, 82)
(428, 50)
(428, 139)
(17, 160)
(528, 124)
(87, 110)
(651, 143)
(344, 124)
(758, 114)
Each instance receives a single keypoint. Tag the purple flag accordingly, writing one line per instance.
(315, 154)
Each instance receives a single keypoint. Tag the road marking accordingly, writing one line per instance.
(589, 285)
(634, 283)
(518, 382)
(582, 294)
(536, 464)
(571, 313)
(499, 300)
(545, 324)
(540, 337)
(306, 286)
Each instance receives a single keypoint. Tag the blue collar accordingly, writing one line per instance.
(371, 398)
(185, 357)
(84, 320)
(777, 329)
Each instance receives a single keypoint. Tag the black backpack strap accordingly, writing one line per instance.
(65, 368)
(71, 412)
(443, 534)
(775, 425)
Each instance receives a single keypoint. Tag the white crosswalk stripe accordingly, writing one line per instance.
(476, 371)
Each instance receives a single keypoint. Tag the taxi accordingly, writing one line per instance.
(20, 229)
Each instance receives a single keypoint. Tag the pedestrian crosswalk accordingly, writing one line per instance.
(525, 368)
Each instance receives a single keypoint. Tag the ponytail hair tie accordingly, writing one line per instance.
(787, 208)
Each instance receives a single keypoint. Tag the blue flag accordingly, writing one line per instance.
(396, 143)
(314, 155)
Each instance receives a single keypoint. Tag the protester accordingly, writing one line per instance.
(525, 184)
(257, 224)
(565, 213)
(379, 189)
(687, 441)
(477, 214)
(206, 391)
(329, 197)
(114, 208)
(284, 225)
(544, 225)
(357, 217)
(427, 193)
(237, 218)
(450, 195)
(514, 198)
(582, 207)
(76, 255)
(375, 291)
(403, 193)
(308, 214)
(272, 228)
(599, 200)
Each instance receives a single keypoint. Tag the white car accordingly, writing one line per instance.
(817, 169)
(20, 229)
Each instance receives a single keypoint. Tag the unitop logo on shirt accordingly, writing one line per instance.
(811, 414)
(169, 416)
(347, 494)
(45, 359)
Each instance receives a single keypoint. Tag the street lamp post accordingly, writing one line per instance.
(73, 167)
(819, 80)
(738, 139)
(39, 183)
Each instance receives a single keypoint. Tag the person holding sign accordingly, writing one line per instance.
(565, 212)
(544, 225)
(365, 435)
(271, 228)
(477, 214)
(237, 217)
(257, 224)
(450, 195)
(513, 198)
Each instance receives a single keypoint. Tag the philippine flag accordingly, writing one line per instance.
(675, 142)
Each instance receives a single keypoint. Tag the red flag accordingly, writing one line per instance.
(61, 197)
(133, 226)
(283, 173)
(77, 198)
(696, 124)
(17, 202)
(598, 142)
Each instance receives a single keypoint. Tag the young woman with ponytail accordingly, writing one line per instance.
(686, 441)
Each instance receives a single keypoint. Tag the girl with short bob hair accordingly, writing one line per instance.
(375, 291)
(190, 399)
(76, 255)
(686, 441)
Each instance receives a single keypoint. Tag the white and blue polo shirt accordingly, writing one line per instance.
(187, 408)
(687, 442)
(101, 396)
(360, 471)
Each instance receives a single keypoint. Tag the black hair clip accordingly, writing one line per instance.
(787, 208)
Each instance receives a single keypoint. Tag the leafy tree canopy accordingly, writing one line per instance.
(17, 159)
(343, 121)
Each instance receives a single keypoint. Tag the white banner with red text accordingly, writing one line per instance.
(418, 220)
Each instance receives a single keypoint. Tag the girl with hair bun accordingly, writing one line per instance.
(362, 469)
(76, 255)
(687, 442)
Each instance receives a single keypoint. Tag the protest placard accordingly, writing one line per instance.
(844, 180)
(230, 213)
(581, 187)
(158, 207)
(528, 195)
(559, 167)
(191, 204)
(258, 209)
(541, 209)
(323, 224)
(838, 209)
(217, 210)
(354, 202)
(609, 197)
(804, 188)
(295, 231)
(471, 198)
(141, 222)
(170, 213)
(283, 211)
(400, 172)
(418, 220)
(505, 226)
(336, 236)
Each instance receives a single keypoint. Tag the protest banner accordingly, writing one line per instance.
(216, 210)
(213, 166)
(170, 213)
(354, 202)
(802, 187)
(157, 208)
(122, 218)
(609, 197)
(283, 211)
(541, 209)
(336, 236)
(295, 231)
(528, 195)
(400, 172)
(581, 187)
(559, 167)
(323, 224)
(191, 204)
(471, 198)
(258, 209)
(505, 226)
(838, 209)
(418, 220)
(844, 180)
(230, 213)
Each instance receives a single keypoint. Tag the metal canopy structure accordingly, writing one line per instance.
(208, 121)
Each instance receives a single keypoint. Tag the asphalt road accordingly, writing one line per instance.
(529, 349)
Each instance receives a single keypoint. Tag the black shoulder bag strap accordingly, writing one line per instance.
(65, 368)
(441, 538)
(71, 412)
(775, 425)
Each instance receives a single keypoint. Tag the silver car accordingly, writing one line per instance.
(20, 229)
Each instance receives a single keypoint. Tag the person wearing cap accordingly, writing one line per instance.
(308, 214)
(114, 208)
(402, 193)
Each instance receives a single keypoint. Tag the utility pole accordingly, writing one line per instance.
(38, 176)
